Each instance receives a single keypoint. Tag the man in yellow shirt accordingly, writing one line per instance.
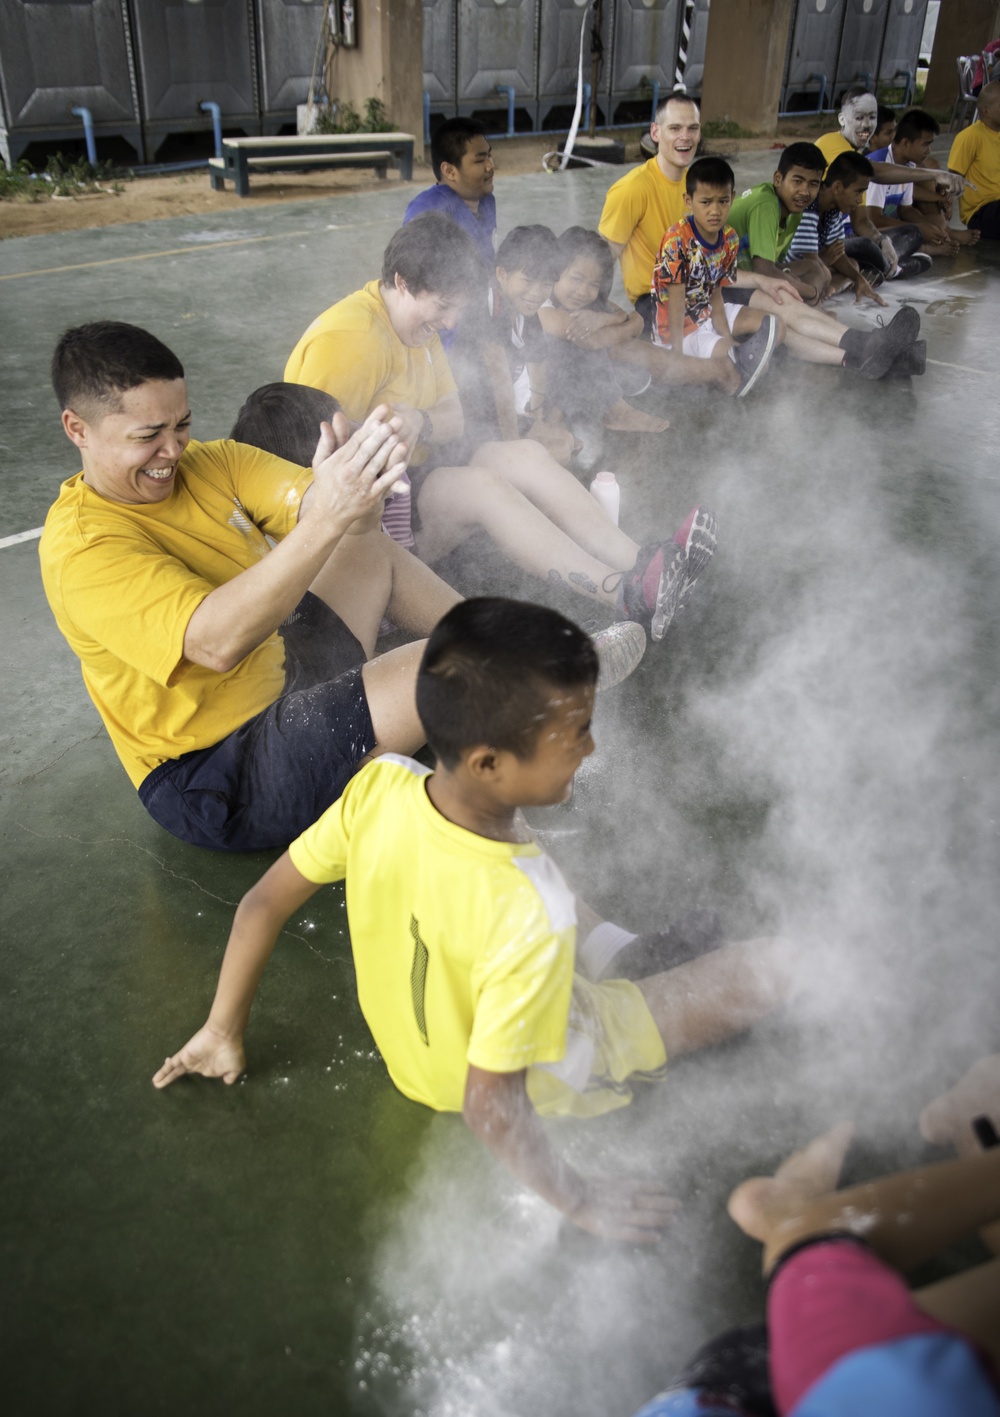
(975, 156)
(641, 207)
(216, 663)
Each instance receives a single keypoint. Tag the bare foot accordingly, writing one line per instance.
(837, 287)
(761, 1204)
(623, 418)
(963, 237)
(947, 1121)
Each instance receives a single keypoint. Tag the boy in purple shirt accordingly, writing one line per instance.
(463, 168)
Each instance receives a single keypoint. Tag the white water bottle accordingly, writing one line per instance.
(607, 491)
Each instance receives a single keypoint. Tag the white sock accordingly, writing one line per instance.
(600, 947)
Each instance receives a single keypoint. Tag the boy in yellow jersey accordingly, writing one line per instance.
(470, 974)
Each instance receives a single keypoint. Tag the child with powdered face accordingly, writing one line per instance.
(587, 337)
(481, 992)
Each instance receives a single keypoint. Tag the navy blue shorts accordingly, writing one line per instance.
(272, 777)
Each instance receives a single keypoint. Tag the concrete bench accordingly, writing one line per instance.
(376, 150)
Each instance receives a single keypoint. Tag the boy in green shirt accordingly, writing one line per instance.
(767, 217)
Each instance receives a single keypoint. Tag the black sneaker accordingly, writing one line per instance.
(887, 342)
(752, 356)
(915, 265)
(686, 939)
(911, 361)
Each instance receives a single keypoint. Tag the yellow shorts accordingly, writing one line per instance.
(611, 1044)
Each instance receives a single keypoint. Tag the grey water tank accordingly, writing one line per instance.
(860, 45)
(289, 32)
(496, 45)
(194, 50)
(439, 51)
(644, 46)
(59, 56)
(559, 53)
(812, 52)
(903, 34)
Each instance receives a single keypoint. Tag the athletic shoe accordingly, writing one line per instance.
(915, 265)
(687, 939)
(911, 361)
(698, 536)
(873, 276)
(619, 650)
(651, 590)
(887, 342)
(752, 356)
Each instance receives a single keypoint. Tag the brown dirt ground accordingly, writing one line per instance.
(189, 193)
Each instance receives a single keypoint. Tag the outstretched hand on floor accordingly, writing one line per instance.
(209, 1053)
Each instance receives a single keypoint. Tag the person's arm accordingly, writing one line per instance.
(498, 372)
(676, 309)
(591, 329)
(617, 247)
(216, 1050)
(802, 288)
(896, 172)
(442, 423)
(779, 288)
(838, 260)
(349, 481)
(497, 1110)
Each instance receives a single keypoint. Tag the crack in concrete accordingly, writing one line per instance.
(177, 875)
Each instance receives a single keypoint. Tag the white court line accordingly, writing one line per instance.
(965, 368)
(21, 536)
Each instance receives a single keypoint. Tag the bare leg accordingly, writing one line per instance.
(356, 583)
(969, 1301)
(456, 501)
(390, 686)
(941, 1203)
(621, 417)
(418, 597)
(810, 334)
(563, 500)
(720, 994)
(814, 272)
(947, 1121)
(670, 369)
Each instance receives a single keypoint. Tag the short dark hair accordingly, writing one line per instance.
(850, 94)
(450, 140)
(531, 249)
(669, 98)
(914, 124)
(806, 155)
(581, 241)
(433, 253)
(487, 673)
(711, 172)
(847, 168)
(885, 115)
(284, 419)
(93, 365)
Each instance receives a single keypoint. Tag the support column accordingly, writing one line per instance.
(963, 27)
(387, 64)
(745, 62)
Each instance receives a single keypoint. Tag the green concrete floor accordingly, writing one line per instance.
(813, 748)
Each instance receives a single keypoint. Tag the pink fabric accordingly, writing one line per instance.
(827, 1301)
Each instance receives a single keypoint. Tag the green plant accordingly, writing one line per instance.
(343, 117)
(63, 177)
(724, 128)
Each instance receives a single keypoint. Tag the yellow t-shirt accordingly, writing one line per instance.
(352, 352)
(463, 947)
(638, 209)
(975, 154)
(831, 145)
(124, 580)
